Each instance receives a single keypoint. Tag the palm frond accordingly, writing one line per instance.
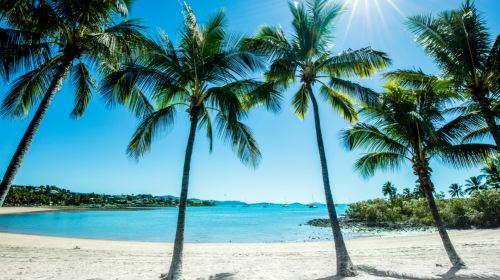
(363, 94)
(269, 42)
(371, 138)
(268, 94)
(21, 51)
(241, 139)
(339, 103)
(480, 134)
(28, 89)
(466, 155)
(371, 162)
(358, 63)
(492, 67)
(227, 100)
(460, 127)
(127, 86)
(206, 122)
(149, 128)
(300, 102)
(84, 84)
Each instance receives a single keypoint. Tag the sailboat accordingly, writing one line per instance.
(312, 204)
(284, 205)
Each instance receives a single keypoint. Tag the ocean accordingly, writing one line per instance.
(219, 224)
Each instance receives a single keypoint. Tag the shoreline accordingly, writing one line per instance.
(17, 210)
(13, 210)
(403, 257)
(353, 233)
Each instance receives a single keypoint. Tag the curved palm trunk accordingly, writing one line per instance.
(24, 145)
(426, 187)
(344, 265)
(175, 271)
(489, 117)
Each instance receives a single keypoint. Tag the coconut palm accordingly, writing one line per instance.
(203, 75)
(456, 190)
(461, 45)
(407, 193)
(491, 172)
(308, 56)
(473, 184)
(389, 190)
(409, 125)
(45, 42)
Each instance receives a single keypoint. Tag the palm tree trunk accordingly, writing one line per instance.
(24, 145)
(489, 117)
(175, 271)
(344, 265)
(426, 186)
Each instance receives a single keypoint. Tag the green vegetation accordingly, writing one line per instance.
(480, 210)
(209, 75)
(45, 43)
(411, 125)
(389, 190)
(409, 210)
(461, 46)
(456, 190)
(204, 76)
(307, 56)
(54, 196)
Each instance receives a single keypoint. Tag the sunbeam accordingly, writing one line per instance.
(369, 12)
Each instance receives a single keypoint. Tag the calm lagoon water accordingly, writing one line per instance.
(204, 224)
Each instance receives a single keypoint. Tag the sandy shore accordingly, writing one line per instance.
(408, 257)
(24, 210)
(403, 257)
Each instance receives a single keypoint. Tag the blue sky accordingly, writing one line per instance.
(88, 155)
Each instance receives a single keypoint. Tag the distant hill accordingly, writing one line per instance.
(55, 196)
(52, 195)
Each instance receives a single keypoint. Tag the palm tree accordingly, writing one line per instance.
(47, 41)
(460, 44)
(204, 75)
(491, 172)
(388, 189)
(308, 57)
(407, 193)
(473, 184)
(409, 125)
(456, 190)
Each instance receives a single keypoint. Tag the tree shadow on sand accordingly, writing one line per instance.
(450, 274)
(220, 276)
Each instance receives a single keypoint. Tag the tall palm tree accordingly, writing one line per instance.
(47, 41)
(491, 172)
(456, 190)
(204, 75)
(461, 45)
(409, 125)
(473, 184)
(389, 190)
(308, 56)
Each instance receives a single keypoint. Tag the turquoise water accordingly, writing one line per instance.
(204, 224)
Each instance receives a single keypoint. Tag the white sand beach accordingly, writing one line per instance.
(25, 210)
(407, 257)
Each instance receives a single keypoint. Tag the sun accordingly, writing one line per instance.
(367, 10)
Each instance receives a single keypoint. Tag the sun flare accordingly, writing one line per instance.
(369, 12)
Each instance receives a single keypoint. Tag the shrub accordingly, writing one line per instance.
(481, 210)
